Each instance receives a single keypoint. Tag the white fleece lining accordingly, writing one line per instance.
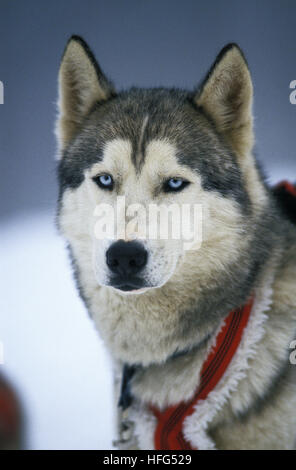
(196, 425)
(145, 425)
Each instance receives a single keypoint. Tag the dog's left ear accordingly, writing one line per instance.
(226, 96)
(82, 84)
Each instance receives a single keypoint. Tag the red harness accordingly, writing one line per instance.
(169, 429)
(10, 416)
(288, 187)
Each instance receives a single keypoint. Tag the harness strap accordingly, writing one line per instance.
(169, 430)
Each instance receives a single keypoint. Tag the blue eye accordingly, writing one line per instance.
(104, 181)
(175, 184)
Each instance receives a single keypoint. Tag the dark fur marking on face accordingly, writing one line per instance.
(172, 116)
(81, 154)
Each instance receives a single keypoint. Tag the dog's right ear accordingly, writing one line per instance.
(81, 85)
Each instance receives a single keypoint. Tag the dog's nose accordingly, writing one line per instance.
(126, 258)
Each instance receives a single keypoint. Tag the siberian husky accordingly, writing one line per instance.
(159, 307)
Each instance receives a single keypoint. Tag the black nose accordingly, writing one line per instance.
(126, 258)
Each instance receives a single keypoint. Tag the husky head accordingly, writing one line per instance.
(163, 147)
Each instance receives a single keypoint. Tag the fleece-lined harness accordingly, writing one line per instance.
(168, 433)
(169, 430)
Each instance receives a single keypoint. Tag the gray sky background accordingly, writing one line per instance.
(137, 42)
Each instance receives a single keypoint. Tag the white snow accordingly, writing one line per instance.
(52, 353)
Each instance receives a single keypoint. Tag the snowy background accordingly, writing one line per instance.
(52, 353)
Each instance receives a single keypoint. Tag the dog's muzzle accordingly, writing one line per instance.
(126, 260)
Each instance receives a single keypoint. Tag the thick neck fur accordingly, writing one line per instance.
(149, 328)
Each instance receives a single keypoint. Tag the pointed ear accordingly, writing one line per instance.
(81, 85)
(226, 96)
